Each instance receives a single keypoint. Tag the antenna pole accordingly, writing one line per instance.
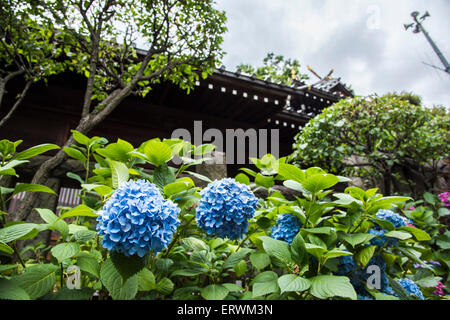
(419, 28)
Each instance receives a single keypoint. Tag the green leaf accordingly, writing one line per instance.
(430, 198)
(319, 182)
(37, 280)
(264, 181)
(157, 152)
(242, 178)
(214, 292)
(290, 172)
(194, 244)
(232, 287)
(259, 260)
(204, 149)
(356, 238)
(72, 294)
(34, 151)
(80, 138)
(293, 283)
(336, 253)
(165, 286)
(128, 266)
(398, 235)
(79, 211)
(22, 187)
(83, 236)
(265, 283)
(88, 263)
(178, 186)
(240, 268)
(417, 233)
(316, 250)
(113, 282)
(66, 250)
(5, 248)
(163, 176)
(75, 154)
(12, 291)
(118, 151)
(146, 280)
(363, 256)
(119, 173)
(16, 231)
(298, 249)
(234, 258)
(278, 250)
(328, 286)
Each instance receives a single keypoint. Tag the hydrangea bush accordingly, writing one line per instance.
(161, 236)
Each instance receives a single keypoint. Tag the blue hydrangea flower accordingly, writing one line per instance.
(359, 277)
(411, 287)
(225, 208)
(137, 219)
(392, 217)
(286, 228)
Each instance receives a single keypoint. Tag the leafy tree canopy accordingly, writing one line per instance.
(381, 132)
(275, 68)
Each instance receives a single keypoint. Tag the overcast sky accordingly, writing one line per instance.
(364, 41)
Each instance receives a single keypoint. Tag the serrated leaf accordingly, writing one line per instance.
(319, 182)
(328, 286)
(12, 291)
(293, 283)
(119, 173)
(364, 255)
(65, 251)
(89, 263)
(37, 280)
(234, 258)
(146, 280)
(165, 286)
(113, 282)
(194, 244)
(259, 260)
(157, 152)
(214, 292)
(278, 250)
(16, 231)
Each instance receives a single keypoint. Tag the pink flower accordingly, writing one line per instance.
(410, 225)
(412, 208)
(444, 197)
(439, 289)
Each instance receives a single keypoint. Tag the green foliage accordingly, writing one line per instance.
(385, 135)
(275, 69)
(196, 265)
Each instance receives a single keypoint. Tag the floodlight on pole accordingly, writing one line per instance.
(418, 27)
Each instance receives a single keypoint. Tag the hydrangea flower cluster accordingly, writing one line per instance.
(359, 277)
(225, 208)
(411, 287)
(137, 219)
(392, 217)
(445, 198)
(286, 228)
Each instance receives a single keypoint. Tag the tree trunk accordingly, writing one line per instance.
(86, 124)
